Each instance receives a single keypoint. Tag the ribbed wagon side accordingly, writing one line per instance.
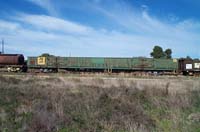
(52, 63)
(117, 64)
(154, 65)
(142, 64)
(167, 65)
(81, 63)
(94, 64)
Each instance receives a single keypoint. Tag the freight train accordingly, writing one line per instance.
(49, 63)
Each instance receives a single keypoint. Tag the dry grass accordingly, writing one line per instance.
(66, 104)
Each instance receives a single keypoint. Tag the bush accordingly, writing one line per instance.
(73, 105)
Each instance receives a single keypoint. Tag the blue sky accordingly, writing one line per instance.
(107, 28)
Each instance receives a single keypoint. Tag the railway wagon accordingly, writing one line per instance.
(42, 64)
(150, 64)
(94, 63)
(166, 65)
(189, 66)
(12, 62)
(11, 59)
(53, 63)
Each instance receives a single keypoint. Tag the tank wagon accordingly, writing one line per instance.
(12, 62)
(53, 63)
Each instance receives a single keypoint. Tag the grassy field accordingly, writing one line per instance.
(99, 104)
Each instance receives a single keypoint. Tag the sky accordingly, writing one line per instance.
(100, 28)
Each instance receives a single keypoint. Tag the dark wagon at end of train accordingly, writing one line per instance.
(189, 66)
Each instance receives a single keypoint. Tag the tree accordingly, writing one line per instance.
(157, 52)
(47, 55)
(188, 57)
(168, 53)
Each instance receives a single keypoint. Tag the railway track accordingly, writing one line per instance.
(97, 75)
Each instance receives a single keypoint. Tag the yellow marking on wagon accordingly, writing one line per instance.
(41, 60)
